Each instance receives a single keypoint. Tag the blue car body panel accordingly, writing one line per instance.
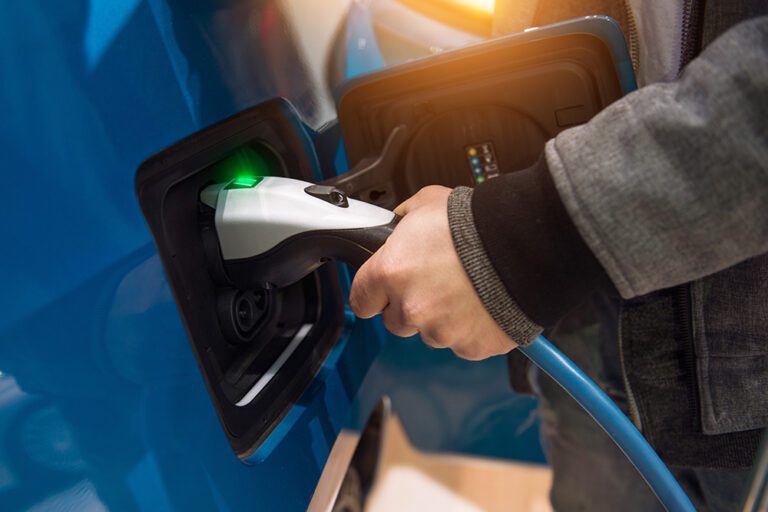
(101, 401)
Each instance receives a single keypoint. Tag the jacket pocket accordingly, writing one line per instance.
(730, 312)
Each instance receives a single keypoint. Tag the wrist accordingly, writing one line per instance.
(534, 245)
(487, 284)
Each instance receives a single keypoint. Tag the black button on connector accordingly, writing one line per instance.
(328, 194)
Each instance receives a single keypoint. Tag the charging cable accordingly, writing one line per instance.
(602, 409)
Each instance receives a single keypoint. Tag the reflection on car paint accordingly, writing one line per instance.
(101, 402)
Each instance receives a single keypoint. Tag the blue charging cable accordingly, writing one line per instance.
(602, 409)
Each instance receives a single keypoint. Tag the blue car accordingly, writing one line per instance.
(128, 369)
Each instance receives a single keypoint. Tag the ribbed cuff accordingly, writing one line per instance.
(489, 287)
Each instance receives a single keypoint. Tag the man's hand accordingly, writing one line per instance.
(419, 284)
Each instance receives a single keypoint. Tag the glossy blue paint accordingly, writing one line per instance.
(101, 401)
(362, 50)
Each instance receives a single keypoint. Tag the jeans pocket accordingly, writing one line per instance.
(730, 311)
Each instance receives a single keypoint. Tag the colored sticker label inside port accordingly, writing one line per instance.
(482, 161)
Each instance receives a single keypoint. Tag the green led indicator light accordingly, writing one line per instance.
(244, 182)
(480, 179)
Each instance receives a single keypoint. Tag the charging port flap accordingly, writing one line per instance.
(474, 113)
(258, 349)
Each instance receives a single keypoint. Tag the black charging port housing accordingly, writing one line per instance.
(237, 334)
(478, 112)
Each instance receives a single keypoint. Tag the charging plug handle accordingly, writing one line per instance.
(297, 256)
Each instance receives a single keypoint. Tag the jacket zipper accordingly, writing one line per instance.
(634, 56)
(692, 29)
(690, 47)
(686, 335)
(632, 36)
(634, 412)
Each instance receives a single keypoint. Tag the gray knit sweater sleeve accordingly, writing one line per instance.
(670, 183)
(478, 266)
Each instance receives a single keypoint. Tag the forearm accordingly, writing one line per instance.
(523, 254)
(670, 183)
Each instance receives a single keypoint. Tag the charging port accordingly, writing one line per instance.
(242, 313)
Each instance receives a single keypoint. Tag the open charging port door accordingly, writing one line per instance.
(474, 113)
(258, 349)
(459, 118)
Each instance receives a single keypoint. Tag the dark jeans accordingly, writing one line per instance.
(590, 472)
